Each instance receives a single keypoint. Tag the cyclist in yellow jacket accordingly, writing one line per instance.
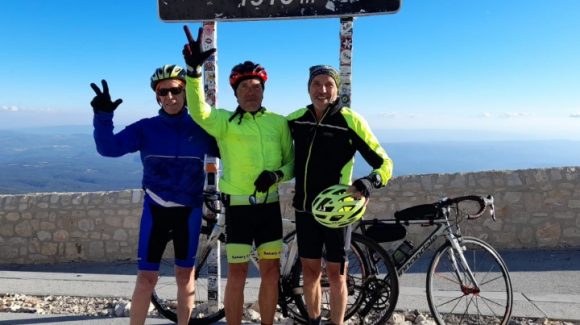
(257, 153)
(326, 137)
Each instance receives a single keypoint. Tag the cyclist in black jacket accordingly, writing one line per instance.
(326, 137)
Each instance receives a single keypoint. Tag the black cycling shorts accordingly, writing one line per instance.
(259, 224)
(313, 237)
(159, 225)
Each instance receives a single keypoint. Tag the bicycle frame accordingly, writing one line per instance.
(442, 228)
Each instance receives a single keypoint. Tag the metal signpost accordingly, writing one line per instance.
(345, 60)
(210, 81)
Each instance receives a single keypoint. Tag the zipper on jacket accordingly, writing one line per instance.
(309, 154)
(254, 118)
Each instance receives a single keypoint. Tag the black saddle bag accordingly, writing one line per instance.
(418, 212)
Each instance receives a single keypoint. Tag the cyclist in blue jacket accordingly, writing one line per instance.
(172, 148)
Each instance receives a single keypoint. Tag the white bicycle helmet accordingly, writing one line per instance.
(335, 208)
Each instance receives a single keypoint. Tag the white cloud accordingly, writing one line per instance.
(575, 115)
(15, 108)
(388, 115)
(11, 108)
(517, 114)
(486, 115)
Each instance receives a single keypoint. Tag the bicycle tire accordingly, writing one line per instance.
(358, 280)
(164, 296)
(289, 291)
(380, 290)
(450, 303)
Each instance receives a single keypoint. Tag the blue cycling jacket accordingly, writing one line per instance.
(172, 149)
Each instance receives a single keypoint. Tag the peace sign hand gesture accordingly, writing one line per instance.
(193, 54)
(102, 101)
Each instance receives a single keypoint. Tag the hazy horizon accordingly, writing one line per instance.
(52, 160)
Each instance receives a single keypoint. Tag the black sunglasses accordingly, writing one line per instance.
(172, 90)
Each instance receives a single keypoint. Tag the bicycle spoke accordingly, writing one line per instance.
(490, 302)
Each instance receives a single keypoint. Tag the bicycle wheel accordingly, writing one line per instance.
(380, 288)
(359, 278)
(454, 299)
(164, 298)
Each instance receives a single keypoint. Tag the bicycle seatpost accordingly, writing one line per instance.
(211, 166)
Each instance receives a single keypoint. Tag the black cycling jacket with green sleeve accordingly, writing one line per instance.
(325, 149)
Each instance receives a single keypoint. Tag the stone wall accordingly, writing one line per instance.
(536, 208)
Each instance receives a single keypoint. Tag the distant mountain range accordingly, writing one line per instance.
(65, 160)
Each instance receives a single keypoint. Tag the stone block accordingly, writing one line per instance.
(548, 233)
(43, 235)
(48, 249)
(96, 250)
(574, 204)
(6, 230)
(86, 225)
(60, 236)
(23, 229)
(526, 236)
(120, 235)
(12, 216)
(573, 232)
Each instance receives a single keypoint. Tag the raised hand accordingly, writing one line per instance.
(102, 101)
(193, 54)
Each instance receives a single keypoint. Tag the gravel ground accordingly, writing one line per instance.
(117, 307)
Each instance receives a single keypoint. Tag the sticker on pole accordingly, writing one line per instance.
(232, 10)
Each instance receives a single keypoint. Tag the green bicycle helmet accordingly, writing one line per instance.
(168, 71)
(334, 207)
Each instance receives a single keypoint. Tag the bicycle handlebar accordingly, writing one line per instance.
(483, 202)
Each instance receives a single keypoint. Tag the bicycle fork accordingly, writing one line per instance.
(455, 254)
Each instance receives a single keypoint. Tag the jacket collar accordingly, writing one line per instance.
(240, 113)
(332, 109)
(173, 118)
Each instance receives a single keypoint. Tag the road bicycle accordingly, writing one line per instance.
(362, 275)
(467, 280)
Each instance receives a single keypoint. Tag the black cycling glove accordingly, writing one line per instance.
(102, 101)
(365, 185)
(194, 56)
(267, 179)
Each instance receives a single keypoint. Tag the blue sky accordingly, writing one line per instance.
(483, 69)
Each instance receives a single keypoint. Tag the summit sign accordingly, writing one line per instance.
(235, 10)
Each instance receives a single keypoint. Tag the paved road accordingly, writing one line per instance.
(546, 284)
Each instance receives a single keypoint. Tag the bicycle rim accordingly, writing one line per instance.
(355, 281)
(452, 302)
(164, 297)
(380, 288)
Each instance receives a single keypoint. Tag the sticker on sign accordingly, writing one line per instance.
(235, 10)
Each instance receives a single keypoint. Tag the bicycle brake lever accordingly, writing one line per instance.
(490, 202)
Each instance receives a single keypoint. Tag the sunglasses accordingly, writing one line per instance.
(172, 90)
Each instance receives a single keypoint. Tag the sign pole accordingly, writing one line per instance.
(209, 41)
(345, 57)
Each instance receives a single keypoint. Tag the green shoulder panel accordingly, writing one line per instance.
(368, 145)
(296, 114)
